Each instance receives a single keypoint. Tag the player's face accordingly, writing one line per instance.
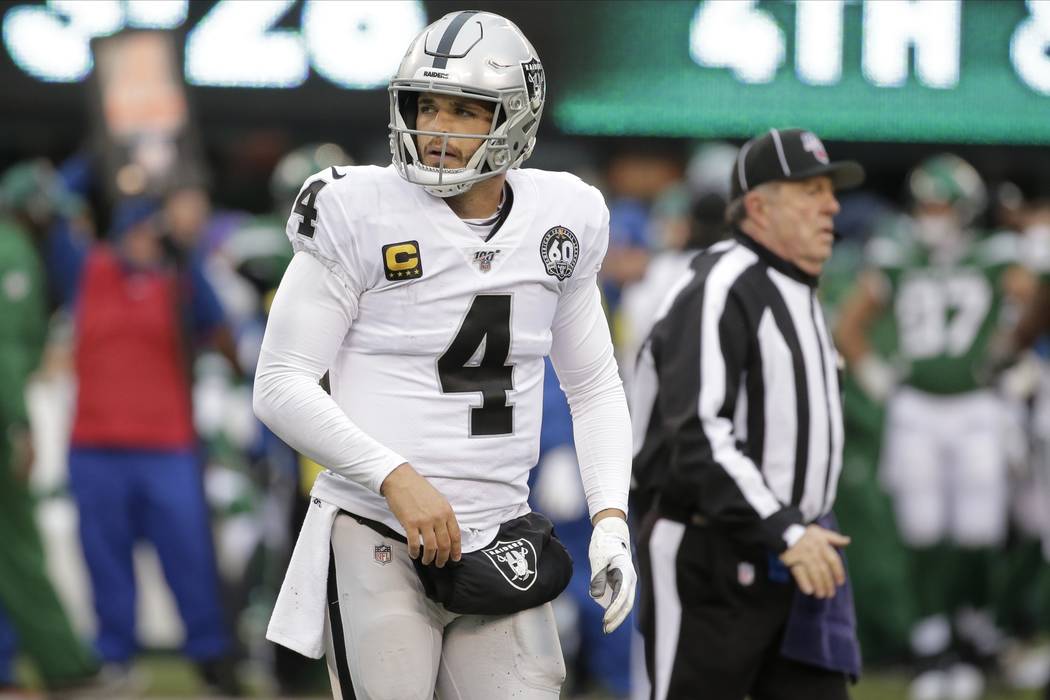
(451, 115)
(800, 217)
(937, 225)
(140, 245)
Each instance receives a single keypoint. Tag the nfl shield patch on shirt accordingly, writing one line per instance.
(383, 554)
(483, 259)
(745, 573)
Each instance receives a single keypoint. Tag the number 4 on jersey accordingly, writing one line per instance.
(306, 208)
(487, 321)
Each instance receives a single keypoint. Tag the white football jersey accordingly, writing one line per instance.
(443, 362)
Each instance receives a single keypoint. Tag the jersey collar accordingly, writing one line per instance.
(775, 261)
(504, 212)
(513, 216)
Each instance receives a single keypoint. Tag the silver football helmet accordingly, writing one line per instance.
(478, 55)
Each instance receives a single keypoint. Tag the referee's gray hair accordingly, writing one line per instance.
(736, 211)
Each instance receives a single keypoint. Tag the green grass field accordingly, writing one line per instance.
(170, 676)
(886, 686)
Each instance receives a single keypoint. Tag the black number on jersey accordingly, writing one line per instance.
(304, 207)
(487, 321)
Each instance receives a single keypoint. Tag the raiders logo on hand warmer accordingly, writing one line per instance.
(515, 560)
(525, 566)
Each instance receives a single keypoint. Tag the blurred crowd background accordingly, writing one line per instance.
(159, 147)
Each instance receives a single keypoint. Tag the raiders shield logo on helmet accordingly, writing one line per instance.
(516, 561)
(535, 83)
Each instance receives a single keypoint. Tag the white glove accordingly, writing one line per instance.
(612, 573)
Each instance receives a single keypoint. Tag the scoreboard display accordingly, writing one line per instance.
(353, 45)
(868, 70)
(872, 70)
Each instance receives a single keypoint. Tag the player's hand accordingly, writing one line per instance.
(425, 514)
(612, 572)
(815, 562)
(875, 377)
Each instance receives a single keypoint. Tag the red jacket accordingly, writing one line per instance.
(133, 389)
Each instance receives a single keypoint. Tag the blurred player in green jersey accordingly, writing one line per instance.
(878, 561)
(32, 197)
(944, 285)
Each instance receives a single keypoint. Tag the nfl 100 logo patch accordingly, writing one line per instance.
(383, 554)
(484, 259)
(516, 561)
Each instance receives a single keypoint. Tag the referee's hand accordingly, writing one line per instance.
(815, 563)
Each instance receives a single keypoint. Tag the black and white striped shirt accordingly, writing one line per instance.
(736, 406)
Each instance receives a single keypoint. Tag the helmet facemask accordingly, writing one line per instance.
(511, 130)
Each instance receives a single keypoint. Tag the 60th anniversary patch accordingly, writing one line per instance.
(559, 250)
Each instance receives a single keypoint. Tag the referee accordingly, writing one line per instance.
(738, 422)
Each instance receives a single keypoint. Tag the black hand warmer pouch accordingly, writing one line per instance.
(526, 565)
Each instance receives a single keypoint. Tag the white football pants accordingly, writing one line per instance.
(944, 463)
(397, 644)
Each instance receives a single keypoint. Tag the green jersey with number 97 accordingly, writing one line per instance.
(945, 306)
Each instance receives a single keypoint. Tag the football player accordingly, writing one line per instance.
(431, 290)
(944, 285)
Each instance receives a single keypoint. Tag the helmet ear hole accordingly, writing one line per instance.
(408, 104)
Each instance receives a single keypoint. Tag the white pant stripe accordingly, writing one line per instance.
(664, 542)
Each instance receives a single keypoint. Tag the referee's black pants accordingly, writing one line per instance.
(713, 620)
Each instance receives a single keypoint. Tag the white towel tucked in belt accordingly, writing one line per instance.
(298, 617)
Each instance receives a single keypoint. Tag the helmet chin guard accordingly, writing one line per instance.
(477, 55)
